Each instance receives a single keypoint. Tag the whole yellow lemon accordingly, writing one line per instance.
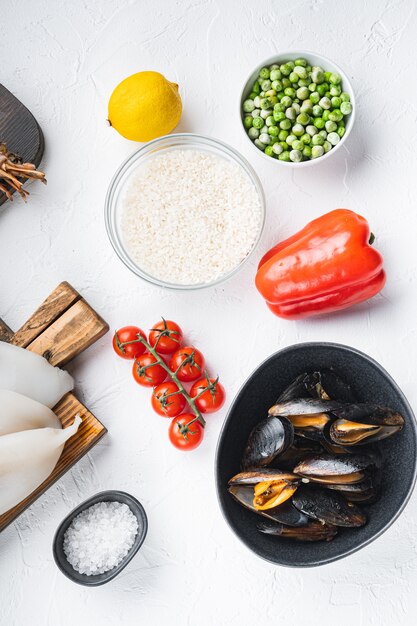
(145, 106)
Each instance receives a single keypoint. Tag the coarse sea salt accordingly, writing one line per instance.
(100, 537)
(189, 216)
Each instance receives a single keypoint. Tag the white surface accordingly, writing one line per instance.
(62, 60)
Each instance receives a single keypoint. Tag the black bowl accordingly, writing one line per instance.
(370, 382)
(99, 579)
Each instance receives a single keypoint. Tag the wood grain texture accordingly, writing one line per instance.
(62, 316)
(19, 130)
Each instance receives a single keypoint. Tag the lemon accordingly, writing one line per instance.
(145, 106)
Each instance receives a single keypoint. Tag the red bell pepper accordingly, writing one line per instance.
(327, 266)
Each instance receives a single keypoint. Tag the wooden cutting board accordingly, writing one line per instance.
(62, 327)
(19, 130)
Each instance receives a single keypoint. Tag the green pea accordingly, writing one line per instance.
(253, 133)
(326, 114)
(333, 138)
(269, 151)
(283, 143)
(278, 116)
(341, 131)
(296, 155)
(331, 126)
(290, 139)
(286, 101)
(285, 69)
(283, 134)
(317, 75)
(317, 110)
(298, 130)
(328, 94)
(346, 108)
(319, 122)
(327, 146)
(335, 79)
(290, 92)
(264, 73)
(248, 121)
(300, 71)
(248, 106)
(252, 95)
(307, 152)
(345, 97)
(336, 102)
(300, 62)
(317, 140)
(323, 133)
(303, 118)
(277, 85)
(304, 82)
(279, 107)
(307, 107)
(266, 103)
(265, 138)
(321, 89)
(273, 131)
(293, 77)
(270, 120)
(285, 124)
(258, 122)
(256, 87)
(259, 144)
(277, 149)
(317, 151)
(335, 90)
(266, 84)
(284, 156)
(314, 97)
(303, 93)
(290, 113)
(306, 139)
(256, 113)
(275, 74)
(311, 130)
(327, 76)
(291, 64)
(335, 115)
(265, 113)
(297, 144)
(325, 103)
(296, 106)
(274, 66)
(286, 82)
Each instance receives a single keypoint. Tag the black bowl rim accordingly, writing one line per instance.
(299, 346)
(139, 511)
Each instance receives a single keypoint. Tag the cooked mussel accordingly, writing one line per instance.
(271, 487)
(270, 437)
(367, 490)
(285, 513)
(324, 385)
(326, 468)
(356, 429)
(300, 449)
(304, 406)
(328, 507)
(310, 426)
(313, 531)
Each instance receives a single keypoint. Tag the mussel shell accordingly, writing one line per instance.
(324, 385)
(300, 449)
(368, 490)
(304, 406)
(270, 437)
(310, 430)
(258, 475)
(368, 413)
(329, 507)
(285, 513)
(313, 531)
(337, 469)
(375, 431)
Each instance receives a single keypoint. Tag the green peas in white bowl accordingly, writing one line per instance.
(297, 108)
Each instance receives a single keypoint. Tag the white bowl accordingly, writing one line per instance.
(313, 59)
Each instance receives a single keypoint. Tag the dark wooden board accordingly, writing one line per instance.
(62, 327)
(19, 130)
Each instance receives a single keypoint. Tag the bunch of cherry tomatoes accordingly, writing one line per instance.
(164, 363)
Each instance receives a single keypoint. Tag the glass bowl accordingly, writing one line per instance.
(114, 209)
(314, 59)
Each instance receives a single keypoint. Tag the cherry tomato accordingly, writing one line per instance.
(147, 374)
(126, 344)
(165, 404)
(193, 367)
(165, 337)
(210, 400)
(183, 437)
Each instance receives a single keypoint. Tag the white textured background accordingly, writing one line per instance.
(62, 59)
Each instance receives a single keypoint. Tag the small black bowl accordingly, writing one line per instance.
(370, 382)
(99, 579)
